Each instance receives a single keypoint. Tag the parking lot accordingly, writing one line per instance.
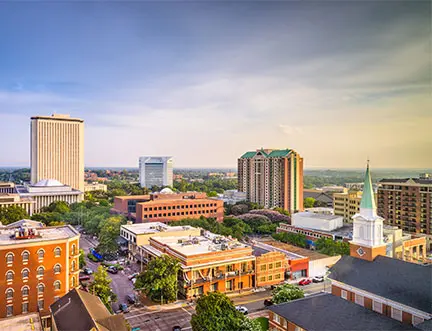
(163, 320)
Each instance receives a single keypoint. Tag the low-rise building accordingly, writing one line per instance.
(347, 204)
(89, 187)
(47, 191)
(14, 199)
(231, 197)
(317, 221)
(7, 187)
(39, 265)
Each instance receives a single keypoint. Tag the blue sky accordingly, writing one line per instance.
(205, 81)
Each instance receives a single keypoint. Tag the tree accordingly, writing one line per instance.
(296, 239)
(282, 211)
(82, 261)
(215, 312)
(159, 280)
(239, 209)
(12, 214)
(308, 202)
(330, 247)
(212, 194)
(286, 292)
(109, 230)
(101, 286)
(48, 218)
(60, 207)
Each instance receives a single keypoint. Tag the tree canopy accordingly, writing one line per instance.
(330, 247)
(109, 230)
(296, 239)
(101, 286)
(12, 214)
(286, 292)
(308, 202)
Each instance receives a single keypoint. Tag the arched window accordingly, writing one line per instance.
(73, 281)
(9, 275)
(25, 256)
(9, 293)
(41, 253)
(9, 258)
(40, 271)
(57, 252)
(25, 290)
(57, 268)
(73, 265)
(41, 288)
(25, 273)
(57, 285)
(73, 249)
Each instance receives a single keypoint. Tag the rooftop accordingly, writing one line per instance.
(267, 153)
(154, 227)
(404, 282)
(303, 252)
(421, 181)
(133, 197)
(57, 117)
(7, 236)
(324, 217)
(21, 323)
(334, 313)
(26, 224)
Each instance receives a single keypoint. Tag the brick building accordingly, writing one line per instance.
(407, 203)
(167, 206)
(39, 265)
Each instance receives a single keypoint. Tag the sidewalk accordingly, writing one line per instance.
(169, 306)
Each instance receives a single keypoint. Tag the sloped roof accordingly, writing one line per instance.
(404, 282)
(273, 153)
(279, 153)
(367, 200)
(248, 155)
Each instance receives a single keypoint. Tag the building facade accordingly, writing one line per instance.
(39, 265)
(347, 204)
(13, 199)
(7, 187)
(57, 149)
(407, 203)
(155, 171)
(272, 178)
(90, 187)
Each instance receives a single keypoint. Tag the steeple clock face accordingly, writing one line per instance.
(360, 251)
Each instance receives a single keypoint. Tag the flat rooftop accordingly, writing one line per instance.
(21, 323)
(312, 255)
(44, 234)
(194, 245)
(324, 217)
(154, 227)
(133, 197)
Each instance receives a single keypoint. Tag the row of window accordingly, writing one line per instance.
(270, 278)
(192, 212)
(180, 207)
(270, 266)
(40, 271)
(283, 322)
(25, 255)
(25, 307)
(26, 289)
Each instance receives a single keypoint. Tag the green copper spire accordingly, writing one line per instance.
(368, 201)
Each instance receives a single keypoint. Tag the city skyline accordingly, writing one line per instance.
(338, 82)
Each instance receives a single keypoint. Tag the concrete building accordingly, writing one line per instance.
(39, 265)
(14, 199)
(57, 149)
(317, 221)
(7, 187)
(272, 178)
(168, 206)
(407, 203)
(89, 187)
(47, 191)
(347, 204)
(231, 197)
(156, 171)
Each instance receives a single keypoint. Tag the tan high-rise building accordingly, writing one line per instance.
(347, 204)
(272, 178)
(57, 150)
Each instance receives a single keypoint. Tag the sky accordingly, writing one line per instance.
(338, 81)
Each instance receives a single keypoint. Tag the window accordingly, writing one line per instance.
(57, 268)
(270, 277)
(25, 273)
(377, 306)
(73, 265)
(276, 318)
(9, 275)
(24, 307)
(40, 271)
(9, 293)
(278, 265)
(262, 279)
(41, 288)
(74, 249)
(9, 311)
(25, 256)
(396, 314)
(41, 304)
(359, 299)
(25, 291)
(263, 267)
(270, 266)
(277, 276)
(57, 285)
(9, 258)
(417, 320)
(344, 294)
(41, 254)
(229, 285)
(214, 287)
(73, 281)
(57, 252)
(230, 267)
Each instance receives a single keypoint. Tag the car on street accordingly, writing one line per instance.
(242, 310)
(268, 302)
(305, 281)
(134, 275)
(131, 298)
(124, 308)
(112, 270)
(318, 279)
(84, 277)
(87, 271)
(177, 328)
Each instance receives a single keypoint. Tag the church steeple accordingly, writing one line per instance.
(367, 204)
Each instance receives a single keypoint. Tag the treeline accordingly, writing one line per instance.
(210, 186)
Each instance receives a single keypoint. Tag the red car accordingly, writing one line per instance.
(304, 282)
(84, 277)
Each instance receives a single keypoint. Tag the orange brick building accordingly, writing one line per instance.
(167, 206)
(38, 266)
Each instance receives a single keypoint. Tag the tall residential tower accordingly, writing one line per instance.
(57, 150)
(272, 178)
(156, 170)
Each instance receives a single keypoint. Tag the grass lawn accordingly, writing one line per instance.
(264, 323)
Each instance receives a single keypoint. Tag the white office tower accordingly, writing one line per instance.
(156, 170)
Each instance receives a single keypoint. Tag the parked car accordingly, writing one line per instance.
(135, 274)
(84, 277)
(112, 270)
(177, 328)
(124, 308)
(268, 302)
(318, 279)
(131, 298)
(133, 281)
(305, 281)
(87, 271)
(242, 310)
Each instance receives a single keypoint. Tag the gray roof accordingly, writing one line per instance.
(404, 282)
(425, 326)
(425, 181)
(320, 196)
(328, 312)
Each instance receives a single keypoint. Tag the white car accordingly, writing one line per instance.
(242, 309)
(318, 279)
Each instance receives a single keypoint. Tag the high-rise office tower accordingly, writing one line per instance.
(156, 170)
(272, 178)
(57, 150)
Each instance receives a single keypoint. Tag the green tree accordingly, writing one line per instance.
(308, 202)
(109, 230)
(159, 280)
(12, 214)
(330, 247)
(48, 218)
(101, 286)
(216, 312)
(82, 261)
(60, 207)
(212, 194)
(286, 292)
(282, 211)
